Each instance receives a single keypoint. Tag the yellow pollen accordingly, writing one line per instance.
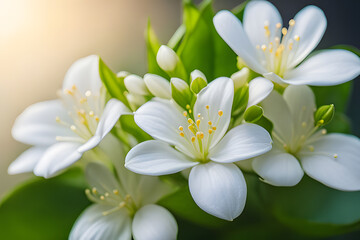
(278, 25)
(284, 31)
(199, 115)
(190, 111)
(192, 139)
(122, 204)
(207, 106)
(209, 122)
(263, 47)
(292, 22)
(191, 127)
(190, 121)
(91, 113)
(73, 87)
(97, 118)
(220, 113)
(102, 197)
(297, 38)
(185, 113)
(201, 135)
(73, 128)
(198, 122)
(291, 45)
(214, 128)
(210, 131)
(321, 121)
(57, 119)
(182, 134)
(335, 155)
(67, 91)
(116, 192)
(88, 93)
(82, 100)
(107, 194)
(94, 190)
(181, 128)
(311, 148)
(323, 131)
(187, 106)
(303, 124)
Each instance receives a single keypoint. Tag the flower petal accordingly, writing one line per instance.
(92, 224)
(231, 31)
(242, 142)
(334, 161)
(259, 89)
(112, 112)
(156, 158)
(161, 119)
(84, 74)
(153, 222)
(158, 86)
(310, 25)
(278, 168)
(256, 14)
(56, 158)
(37, 124)
(218, 189)
(326, 68)
(218, 95)
(27, 161)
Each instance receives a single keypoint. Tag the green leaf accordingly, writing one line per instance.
(43, 209)
(114, 85)
(182, 205)
(238, 11)
(152, 46)
(340, 124)
(241, 97)
(128, 124)
(312, 208)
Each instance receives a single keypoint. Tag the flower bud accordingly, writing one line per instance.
(122, 74)
(324, 114)
(135, 100)
(198, 81)
(253, 114)
(158, 86)
(180, 92)
(240, 78)
(167, 58)
(135, 84)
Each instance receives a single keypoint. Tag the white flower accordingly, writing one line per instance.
(62, 130)
(198, 134)
(273, 51)
(332, 159)
(123, 208)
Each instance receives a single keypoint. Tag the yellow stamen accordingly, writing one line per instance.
(335, 155)
(192, 139)
(214, 128)
(185, 113)
(73, 128)
(94, 190)
(102, 197)
(88, 93)
(182, 134)
(220, 113)
(181, 128)
(116, 192)
(207, 106)
(209, 122)
(284, 31)
(297, 38)
(199, 115)
(190, 121)
(91, 113)
(210, 131)
(278, 25)
(198, 122)
(292, 22)
(187, 106)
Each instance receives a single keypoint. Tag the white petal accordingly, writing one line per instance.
(276, 109)
(259, 89)
(218, 95)
(326, 68)
(84, 74)
(341, 172)
(92, 224)
(153, 222)
(56, 158)
(37, 124)
(161, 119)
(112, 112)
(27, 161)
(242, 142)
(310, 25)
(274, 77)
(231, 31)
(158, 86)
(156, 158)
(136, 84)
(197, 74)
(256, 14)
(278, 168)
(240, 77)
(218, 189)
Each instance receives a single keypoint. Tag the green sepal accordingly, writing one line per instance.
(128, 125)
(253, 114)
(114, 85)
(324, 115)
(197, 84)
(265, 123)
(181, 93)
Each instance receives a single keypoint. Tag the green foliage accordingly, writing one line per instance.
(114, 85)
(253, 114)
(312, 208)
(181, 93)
(128, 125)
(43, 209)
(241, 97)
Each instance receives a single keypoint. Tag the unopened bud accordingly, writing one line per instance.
(198, 81)
(324, 114)
(158, 86)
(253, 114)
(167, 58)
(240, 78)
(136, 85)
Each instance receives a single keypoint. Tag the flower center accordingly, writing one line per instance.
(84, 111)
(115, 198)
(278, 51)
(200, 131)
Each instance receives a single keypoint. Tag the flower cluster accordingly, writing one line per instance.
(126, 131)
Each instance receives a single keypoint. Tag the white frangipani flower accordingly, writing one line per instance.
(273, 51)
(332, 159)
(62, 130)
(198, 134)
(124, 208)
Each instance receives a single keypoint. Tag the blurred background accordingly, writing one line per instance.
(40, 39)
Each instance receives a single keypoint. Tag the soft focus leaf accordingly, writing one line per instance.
(340, 124)
(313, 209)
(238, 11)
(114, 85)
(43, 209)
(129, 125)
